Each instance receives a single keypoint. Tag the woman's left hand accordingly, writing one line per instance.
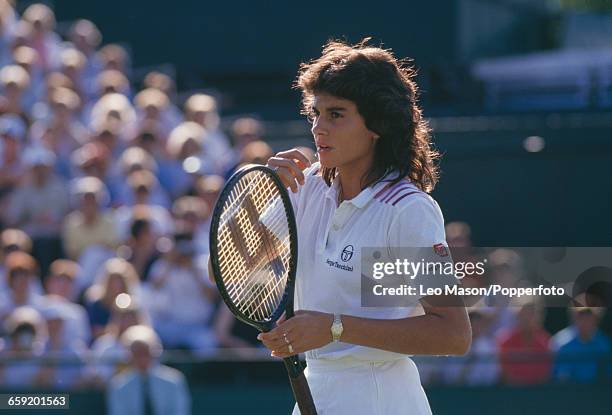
(305, 331)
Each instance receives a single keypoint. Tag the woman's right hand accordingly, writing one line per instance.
(289, 166)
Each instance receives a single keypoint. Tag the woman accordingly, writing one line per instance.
(368, 189)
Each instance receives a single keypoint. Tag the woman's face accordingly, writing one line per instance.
(342, 139)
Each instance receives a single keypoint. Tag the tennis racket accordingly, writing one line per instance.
(253, 252)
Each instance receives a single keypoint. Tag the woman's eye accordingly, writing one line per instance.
(335, 114)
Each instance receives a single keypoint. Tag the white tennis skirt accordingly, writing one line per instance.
(352, 387)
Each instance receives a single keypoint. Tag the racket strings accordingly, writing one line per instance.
(253, 265)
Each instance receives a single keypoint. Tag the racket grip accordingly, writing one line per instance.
(301, 390)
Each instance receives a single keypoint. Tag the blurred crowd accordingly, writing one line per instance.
(106, 194)
(510, 341)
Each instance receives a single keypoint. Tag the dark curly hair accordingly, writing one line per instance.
(385, 93)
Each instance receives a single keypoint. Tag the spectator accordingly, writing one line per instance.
(86, 37)
(524, 355)
(115, 57)
(66, 353)
(178, 278)
(38, 206)
(8, 23)
(203, 110)
(14, 83)
(142, 184)
(584, 356)
(185, 149)
(112, 82)
(12, 133)
(28, 59)
(44, 40)
(147, 387)
(60, 293)
(141, 249)
(209, 187)
(109, 354)
(118, 277)
(73, 64)
(14, 240)
(68, 133)
(137, 159)
(27, 335)
(21, 271)
(90, 225)
(94, 159)
(154, 105)
(256, 152)
(192, 214)
(166, 85)
(113, 107)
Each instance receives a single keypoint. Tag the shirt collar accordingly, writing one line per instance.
(367, 194)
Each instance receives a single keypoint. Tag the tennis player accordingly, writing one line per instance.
(369, 189)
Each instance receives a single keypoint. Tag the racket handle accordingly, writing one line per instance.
(300, 388)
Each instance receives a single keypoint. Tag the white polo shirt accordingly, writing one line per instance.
(330, 238)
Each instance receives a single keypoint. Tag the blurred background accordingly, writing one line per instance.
(121, 121)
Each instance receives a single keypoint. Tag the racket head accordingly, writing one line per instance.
(255, 273)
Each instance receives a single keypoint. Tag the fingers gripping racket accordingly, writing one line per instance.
(253, 252)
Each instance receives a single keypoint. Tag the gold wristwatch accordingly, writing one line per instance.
(337, 328)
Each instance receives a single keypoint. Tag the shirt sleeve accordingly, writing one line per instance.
(417, 235)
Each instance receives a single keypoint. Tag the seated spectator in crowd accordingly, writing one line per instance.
(178, 278)
(64, 371)
(68, 133)
(245, 130)
(256, 152)
(89, 225)
(141, 249)
(153, 105)
(38, 206)
(12, 135)
(86, 37)
(95, 159)
(209, 188)
(60, 295)
(118, 277)
(13, 240)
(116, 108)
(14, 82)
(41, 111)
(142, 183)
(185, 150)
(109, 354)
(44, 39)
(107, 134)
(192, 214)
(28, 59)
(479, 366)
(147, 387)
(165, 84)
(8, 22)
(136, 159)
(72, 64)
(584, 357)
(203, 110)
(523, 351)
(112, 82)
(115, 57)
(25, 344)
(21, 271)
